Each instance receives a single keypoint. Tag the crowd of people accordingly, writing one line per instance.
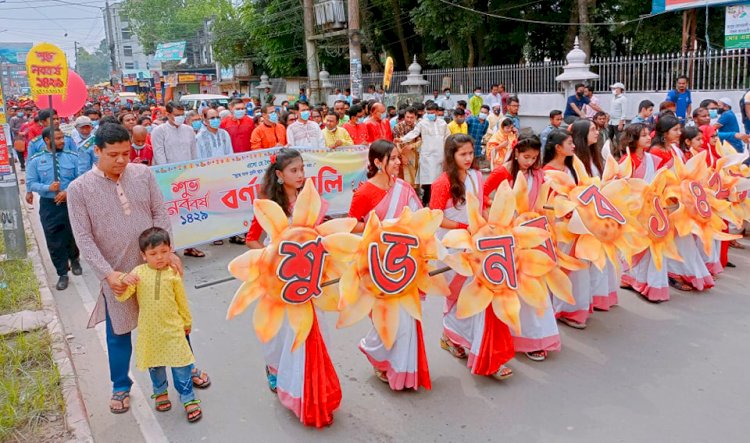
(423, 154)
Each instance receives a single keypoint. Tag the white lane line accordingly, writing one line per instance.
(139, 404)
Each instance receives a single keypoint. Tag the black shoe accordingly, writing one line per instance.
(75, 267)
(731, 265)
(62, 283)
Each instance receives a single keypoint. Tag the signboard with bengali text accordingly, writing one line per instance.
(212, 199)
(47, 69)
(676, 5)
(737, 27)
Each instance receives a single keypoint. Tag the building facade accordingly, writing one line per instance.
(126, 53)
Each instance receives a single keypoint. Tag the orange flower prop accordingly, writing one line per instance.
(700, 212)
(733, 180)
(556, 279)
(602, 216)
(653, 215)
(503, 259)
(388, 268)
(286, 276)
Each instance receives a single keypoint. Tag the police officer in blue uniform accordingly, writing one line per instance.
(53, 209)
(38, 144)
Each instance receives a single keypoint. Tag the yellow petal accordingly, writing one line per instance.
(270, 216)
(329, 299)
(385, 319)
(506, 308)
(460, 263)
(521, 191)
(300, 319)
(267, 318)
(356, 311)
(412, 304)
(570, 263)
(560, 285)
(563, 206)
(503, 206)
(336, 225)
(342, 246)
(432, 285)
(425, 221)
(533, 291)
(560, 181)
(476, 220)
(245, 266)
(458, 239)
(349, 290)
(244, 297)
(583, 176)
(526, 237)
(473, 299)
(307, 207)
(588, 248)
(534, 263)
(372, 224)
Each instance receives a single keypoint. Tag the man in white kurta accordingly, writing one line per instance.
(433, 131)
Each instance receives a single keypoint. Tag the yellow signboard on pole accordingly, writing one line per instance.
(47, 69)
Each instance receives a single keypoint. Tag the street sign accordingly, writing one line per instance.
(47, 69)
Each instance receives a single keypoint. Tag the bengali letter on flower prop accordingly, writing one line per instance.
(733, 179)
(388, 267)
(503, 260)
(601, 215)
(699, 211)
(556, 279)
(286, 276)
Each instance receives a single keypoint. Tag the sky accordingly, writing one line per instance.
(50, 20)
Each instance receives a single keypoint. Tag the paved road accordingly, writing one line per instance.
(642, 372)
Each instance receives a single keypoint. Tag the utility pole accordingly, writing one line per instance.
(313, 68)
(355, 50)
(75, 52)
(11, 220)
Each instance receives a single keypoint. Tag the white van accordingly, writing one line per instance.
(193, 101)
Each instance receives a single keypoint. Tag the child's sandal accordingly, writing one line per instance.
(193, 411)
(162, 403)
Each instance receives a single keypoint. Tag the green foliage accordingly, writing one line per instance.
(30, 390)
(93, 67)
(21, 289)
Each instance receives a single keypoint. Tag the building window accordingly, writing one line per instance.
(129, 66)
(127, 51)
(126, 34)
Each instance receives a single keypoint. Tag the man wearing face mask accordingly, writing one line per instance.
(212, 141)
(304, 132)
(477, 127)
(355, 126)
(458, 125)
(434, 131)
(239, 126)
(476, 101)
(617, 116)
(193, 119)
(447, 103)
(269, 133)
(574, 105)
(174, 141)
(728, 127)
(140, 149)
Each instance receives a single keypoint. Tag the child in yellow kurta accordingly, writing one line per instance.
(163, 320)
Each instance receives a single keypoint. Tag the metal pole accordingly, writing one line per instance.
(355, 50)
(51, 146)
(11, 220)
(311, 51)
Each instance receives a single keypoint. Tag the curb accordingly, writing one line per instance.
(76, 417)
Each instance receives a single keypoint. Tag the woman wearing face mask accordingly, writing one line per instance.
(539, 334)
(404, 366)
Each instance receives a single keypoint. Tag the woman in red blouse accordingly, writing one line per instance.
(404, 366)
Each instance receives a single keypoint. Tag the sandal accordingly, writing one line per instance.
(572, 323)
(121, 397)
(381, 375)
(679, 285)
(164, 404)
(736, 244)
(503, 373)
(193, 411)
(237, 240)
(218, 242)
(271, 379)
(456, 351)
(200, 379)
(192, 252)
(537, 355)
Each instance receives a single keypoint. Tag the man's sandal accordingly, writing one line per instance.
(503, 373)
(456, 351)
(161, 402)
(193, 411)
(200, 379)
(121, 397)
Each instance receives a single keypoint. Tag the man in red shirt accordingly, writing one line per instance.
(239, 126)
(378, 126)
(356, 129)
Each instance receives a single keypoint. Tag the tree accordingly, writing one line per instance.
(93, 67)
